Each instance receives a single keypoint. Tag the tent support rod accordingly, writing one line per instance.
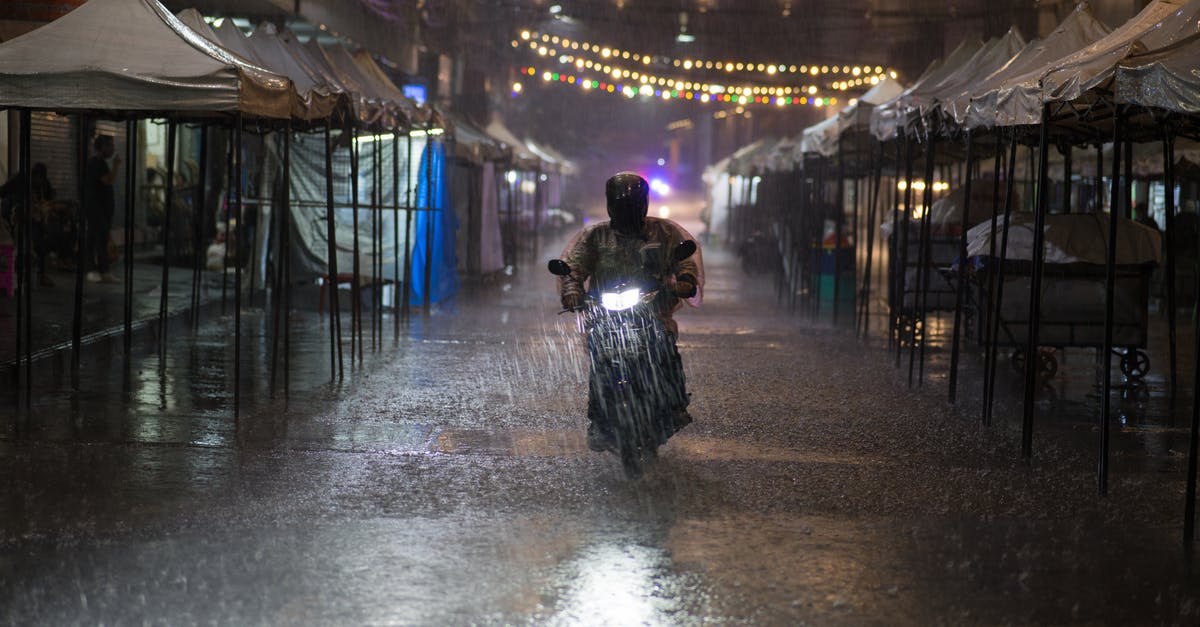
(131, 133)
(923, 263)
(198, 210)
(997, 163)
(996, 307)
(396, 235)
(356, 338)
(961, 275)
(164, 291)
(1032, 362)
(1169, 171)
(408, 228)
(872, 215)
(83, 242)
(838, 221)
(1110, 274)
(901, 228)
(336, 368)
(237, 270)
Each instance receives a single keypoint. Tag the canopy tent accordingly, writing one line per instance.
(384, 85)
(1163, 79)
(1022, 100)
(822, 138)
(522, 157)
(367, 110)
(726, 188)
(318, 99)
(396, 105)
(888, 117)
(992, 98)
(134, 56)
(993, 56)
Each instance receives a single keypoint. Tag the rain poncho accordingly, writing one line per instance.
(599, 255)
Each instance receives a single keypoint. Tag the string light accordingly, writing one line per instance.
(693, 64)
(647, 90)
(616, 72)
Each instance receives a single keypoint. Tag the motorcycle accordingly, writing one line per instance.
(636, 381)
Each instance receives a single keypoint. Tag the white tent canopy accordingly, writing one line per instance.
(133, 55)
(1164, 79)
(992, 100)
(888, 117)
(822, 137)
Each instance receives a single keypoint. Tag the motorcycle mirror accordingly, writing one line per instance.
(685, 249)
(558, 267)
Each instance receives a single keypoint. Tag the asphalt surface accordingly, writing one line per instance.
(445, 480)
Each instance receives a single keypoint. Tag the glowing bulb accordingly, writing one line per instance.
(525, 35)
(516, 87)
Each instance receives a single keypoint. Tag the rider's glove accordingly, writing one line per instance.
(685, 286)
(572, 302)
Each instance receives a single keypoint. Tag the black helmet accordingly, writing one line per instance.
(628, 200)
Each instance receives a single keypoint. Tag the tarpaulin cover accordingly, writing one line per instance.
(1021, 101)
(133, 55)
(991, 101)
(1160, 24)
(1165, 79)
(890, 116)
(993, 56)
(317, 98)
(308, 195)
(441, 218)
(1070, 238)
(822, 137)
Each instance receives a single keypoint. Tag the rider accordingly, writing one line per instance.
(631, 244)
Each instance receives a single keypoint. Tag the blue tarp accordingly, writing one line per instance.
(444, 275)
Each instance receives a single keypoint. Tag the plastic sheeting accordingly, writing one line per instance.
(1070, 238)
(1165, 79)
(995, 100)
(308, 194)
(889, 117)
(317, 98)
(133, 55)
(434, 196)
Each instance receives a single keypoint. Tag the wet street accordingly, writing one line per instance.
(446, 481)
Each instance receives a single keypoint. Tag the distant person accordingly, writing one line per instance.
(99, 203)
(13, 206)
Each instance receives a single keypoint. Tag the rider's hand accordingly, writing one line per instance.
(572, 302)
(685, 286)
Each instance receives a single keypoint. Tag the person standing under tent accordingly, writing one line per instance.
(99, 203)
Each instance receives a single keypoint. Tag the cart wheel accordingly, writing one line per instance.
(1135, 364)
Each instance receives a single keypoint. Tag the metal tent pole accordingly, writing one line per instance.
(872, 214)
(198, 210)
(923, 262)
(231, 162)
(902, 245)
(1032, 363)
(1110, 274)
(406, 309)
(984, 334)
(429, 217)
(24, 339)
(396, 234)
(1067, 154)
(83, 233)
(165, 288)
(995, 306)
(237, 272)
(356, 335)
(336, 367)
(131, 133)
(838, 221)
(1169, 170)
(961, 275)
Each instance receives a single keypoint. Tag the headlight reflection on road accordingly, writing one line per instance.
(615, 585)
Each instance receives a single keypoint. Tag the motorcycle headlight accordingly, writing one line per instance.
(620, 301)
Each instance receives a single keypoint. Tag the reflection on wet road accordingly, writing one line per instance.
(446, 481)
